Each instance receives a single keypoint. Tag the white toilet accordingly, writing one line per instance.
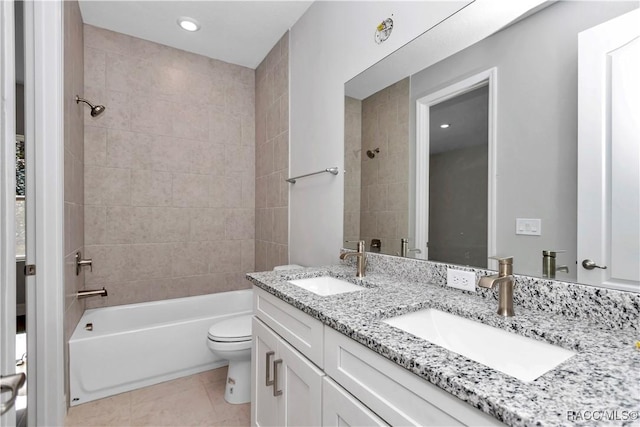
(230, 339)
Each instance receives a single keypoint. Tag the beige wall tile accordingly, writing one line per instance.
(226, 257)
(151, 188)
(107, 186)
(224, 128)
(190, 190)
(281, 225)
(118, 225)
(207, 224)
(95, 142)
(265, 159)
(207, 158)
(190, 121)
(152, 115)
(166, 180)
(240, 224)
(94, 67)
(111, 263)
(190, 258)
(95, 219)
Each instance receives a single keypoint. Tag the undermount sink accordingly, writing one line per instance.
(521, 357)
(326, 285)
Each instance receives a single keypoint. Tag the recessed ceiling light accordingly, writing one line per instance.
(445, 125)
(188, 24)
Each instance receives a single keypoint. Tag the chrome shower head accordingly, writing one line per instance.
(372, 154)
(96, 110)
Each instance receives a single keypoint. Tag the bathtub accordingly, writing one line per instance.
(138, 345)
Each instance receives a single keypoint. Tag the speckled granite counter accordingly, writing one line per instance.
(603, 376)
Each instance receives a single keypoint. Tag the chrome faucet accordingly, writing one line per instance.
(549, 267)
(361, 254)
(404, 248)
(504, 279)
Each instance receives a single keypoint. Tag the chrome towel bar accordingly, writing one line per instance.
(332, 171)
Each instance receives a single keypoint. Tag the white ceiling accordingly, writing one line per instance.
(240, 32)
(468, 115)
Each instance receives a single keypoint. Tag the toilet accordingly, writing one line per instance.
(230, 339)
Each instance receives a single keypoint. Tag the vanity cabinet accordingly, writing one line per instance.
(305, 373)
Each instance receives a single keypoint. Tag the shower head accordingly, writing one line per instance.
(372, 154)
(96, 110)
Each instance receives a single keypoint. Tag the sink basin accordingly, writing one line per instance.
(512, 354)
(326, 285)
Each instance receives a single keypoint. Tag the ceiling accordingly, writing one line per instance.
(240, 32)
(468, 117)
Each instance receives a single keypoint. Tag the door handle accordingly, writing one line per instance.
(276, 392)
(590, 265)
(268, 356)
(11, 383)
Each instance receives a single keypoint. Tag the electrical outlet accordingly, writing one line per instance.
(465, 280)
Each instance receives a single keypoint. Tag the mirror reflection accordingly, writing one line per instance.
(502, 177)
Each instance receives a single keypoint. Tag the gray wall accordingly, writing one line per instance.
(537, 123)
(457, 205)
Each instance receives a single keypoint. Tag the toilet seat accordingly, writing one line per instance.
(233, 330)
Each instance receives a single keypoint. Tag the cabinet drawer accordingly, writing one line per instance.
(395, 394)
(299, 329)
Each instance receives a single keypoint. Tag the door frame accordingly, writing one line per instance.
(44, 115)
(7, 198)
(422, 156)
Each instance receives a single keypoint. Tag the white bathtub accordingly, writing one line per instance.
(137, 345)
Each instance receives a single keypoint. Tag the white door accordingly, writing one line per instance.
(7, 215)
(609, 154)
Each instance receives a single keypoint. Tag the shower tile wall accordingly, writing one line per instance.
(73, 170)
(384, 196)
(169, 171)
(272, 157)
(352, 165)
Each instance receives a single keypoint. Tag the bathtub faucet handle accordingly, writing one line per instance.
(82, 263)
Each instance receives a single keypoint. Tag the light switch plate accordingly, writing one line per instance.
(465, 280)
(529, 226)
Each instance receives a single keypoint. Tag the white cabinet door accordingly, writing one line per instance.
(340, 408)
(264, 408)
(286, 386)
(301, 384)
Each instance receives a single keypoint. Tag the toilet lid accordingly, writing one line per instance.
(234, 329)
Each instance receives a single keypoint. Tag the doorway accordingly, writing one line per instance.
(455, 172)
(43, 155)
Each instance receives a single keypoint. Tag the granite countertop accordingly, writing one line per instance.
(604, 375)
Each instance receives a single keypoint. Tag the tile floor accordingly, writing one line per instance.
(197, 400)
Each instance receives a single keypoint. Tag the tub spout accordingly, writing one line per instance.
(91, 293)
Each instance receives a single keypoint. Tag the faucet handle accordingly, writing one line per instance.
(503, 260)
(360, 243)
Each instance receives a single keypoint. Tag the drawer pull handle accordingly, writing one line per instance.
(276, 392)
(268, 356)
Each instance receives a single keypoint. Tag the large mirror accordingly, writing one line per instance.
(477, 154)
